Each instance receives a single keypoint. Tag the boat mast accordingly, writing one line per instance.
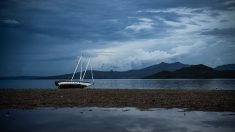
(81, 73)
(92, 73)
(76, 67)
(86, 69)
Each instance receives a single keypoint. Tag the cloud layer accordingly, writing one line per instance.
(117, 35)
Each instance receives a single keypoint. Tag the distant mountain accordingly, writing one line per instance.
(194, 71)
(162, 70)
(226, 67)
(161, 67)
(130, 74)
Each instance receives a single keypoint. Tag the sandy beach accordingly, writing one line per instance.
(203, 100)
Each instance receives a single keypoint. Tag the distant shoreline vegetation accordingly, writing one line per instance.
(163, 70)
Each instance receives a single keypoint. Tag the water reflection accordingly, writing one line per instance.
(115, 119)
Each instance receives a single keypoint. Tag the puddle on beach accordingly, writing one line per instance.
(115, 120)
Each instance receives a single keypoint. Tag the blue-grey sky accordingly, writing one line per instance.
(43, 37)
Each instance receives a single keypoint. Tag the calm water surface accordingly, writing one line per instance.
(115, 120)
(219, 84)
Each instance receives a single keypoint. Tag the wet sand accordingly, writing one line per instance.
(203, 100)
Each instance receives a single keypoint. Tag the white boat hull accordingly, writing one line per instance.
(72, 84)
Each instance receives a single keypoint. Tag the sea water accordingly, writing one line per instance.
(115, 120)
(211, 84)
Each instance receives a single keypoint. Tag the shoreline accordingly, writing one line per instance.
(200, 100)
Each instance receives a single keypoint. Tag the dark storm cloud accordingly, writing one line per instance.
(71, 19)
(228, 32)
(86, 19)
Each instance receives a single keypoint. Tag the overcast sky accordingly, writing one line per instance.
(44, 37)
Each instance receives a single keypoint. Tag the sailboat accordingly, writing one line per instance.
(77, 84)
